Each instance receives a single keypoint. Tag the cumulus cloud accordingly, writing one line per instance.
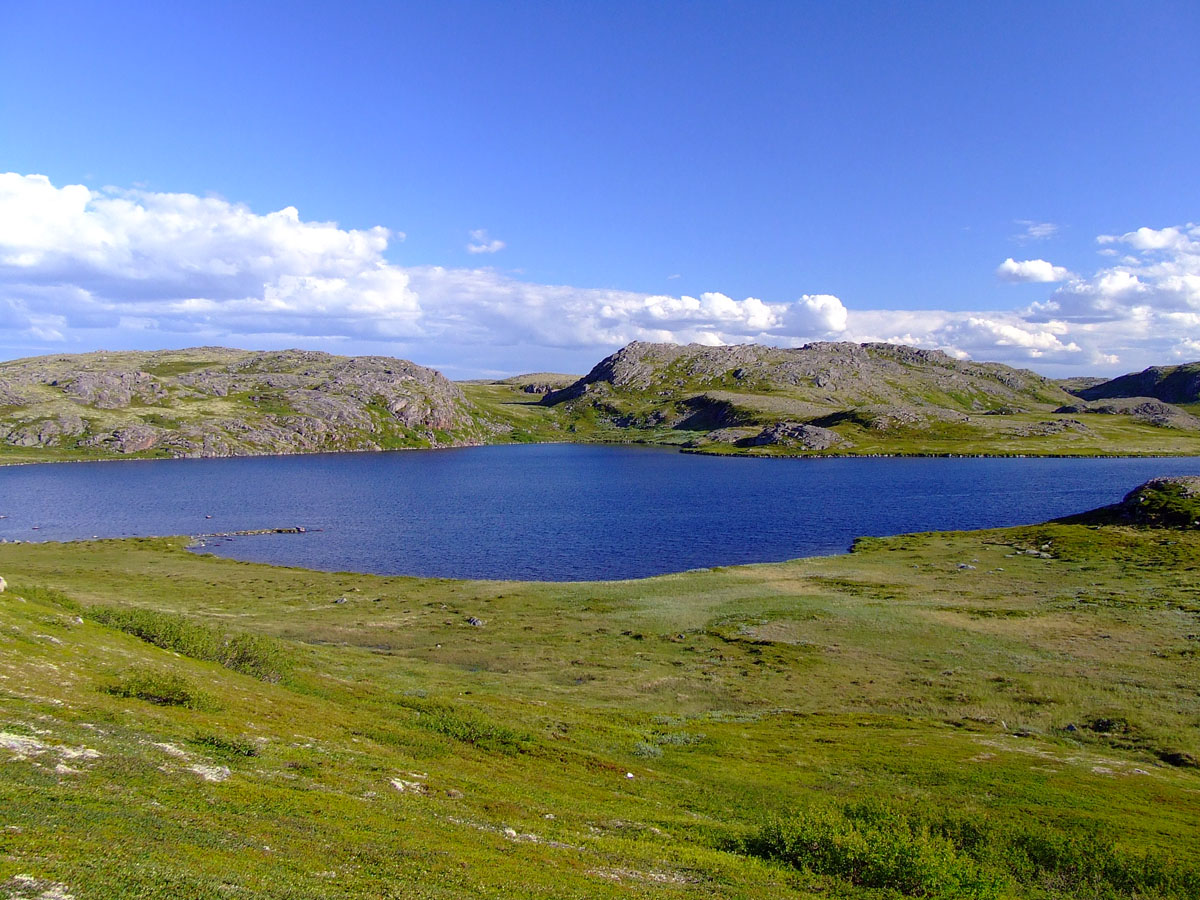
(482, 306)
(992, 336)
(74, 259)
(1031, 270)
(85, 268)
(1159, 281)
(1143, 309)
(481, 244)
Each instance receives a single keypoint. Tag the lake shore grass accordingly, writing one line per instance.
(1001, 713)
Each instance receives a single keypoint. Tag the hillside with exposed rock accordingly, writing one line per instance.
(822, 398)
(212, 401)
(856, 398)
(1170, 384)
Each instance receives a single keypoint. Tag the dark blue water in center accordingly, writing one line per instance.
(552, 511)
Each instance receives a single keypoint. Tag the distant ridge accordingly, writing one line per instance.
(834, 398)
(1171, 384)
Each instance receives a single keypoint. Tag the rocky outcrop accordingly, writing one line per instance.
(1170, 384)
(1143, 409)
(218, 402)
(795, 435)
(1159, 503)
(1049, 428)
(886, 418)
(9, 396)
(43, 432)
(134, 438)
(111, 390)
(862, 373)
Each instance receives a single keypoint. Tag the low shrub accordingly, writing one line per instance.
(922, 853)
(646, 750)
(46, 595)
(469, 727)
(161, 687)
(883, 848)
(225, 746)
(259, 656)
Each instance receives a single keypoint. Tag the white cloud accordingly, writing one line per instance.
(189, 264)
(482, 306)
(1157, 281)
(1035, 231)
(989, 336)
(87, 268)
(481, 244)
(1031, 270)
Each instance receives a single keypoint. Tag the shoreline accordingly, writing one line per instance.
(694, 451)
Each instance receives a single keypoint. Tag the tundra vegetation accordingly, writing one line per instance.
(823, 398)
(991, 714)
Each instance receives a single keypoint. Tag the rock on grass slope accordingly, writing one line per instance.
(212, 401)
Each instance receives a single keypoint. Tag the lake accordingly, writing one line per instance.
(551, 511)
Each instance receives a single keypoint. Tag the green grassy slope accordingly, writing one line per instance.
(1017, 710)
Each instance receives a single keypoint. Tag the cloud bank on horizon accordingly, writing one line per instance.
(79, 265)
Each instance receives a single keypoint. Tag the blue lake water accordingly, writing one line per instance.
(552, 511)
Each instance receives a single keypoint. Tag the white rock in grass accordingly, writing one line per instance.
(210, 773)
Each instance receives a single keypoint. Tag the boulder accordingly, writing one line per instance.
(794, 434)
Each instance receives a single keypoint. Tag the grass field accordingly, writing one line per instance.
(1008, 713)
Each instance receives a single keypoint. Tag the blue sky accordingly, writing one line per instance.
(623, 170)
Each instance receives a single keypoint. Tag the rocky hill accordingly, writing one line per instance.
(1170, 384)
(753, 395)
(212, 401)
(853, 398)
(830, 398)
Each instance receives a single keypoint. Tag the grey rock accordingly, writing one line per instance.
(111, 390)
(1144, 409)
(795, 434)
